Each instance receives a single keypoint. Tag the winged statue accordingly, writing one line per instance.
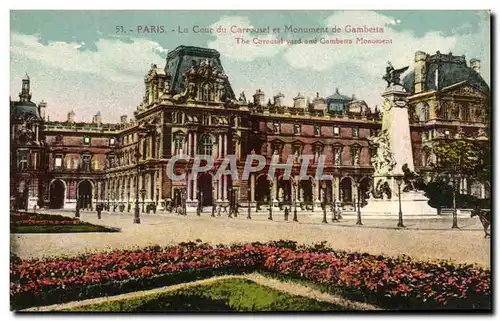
(392, 75)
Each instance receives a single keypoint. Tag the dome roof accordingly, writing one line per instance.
(450, 73)
(338, 96)
(24, 109)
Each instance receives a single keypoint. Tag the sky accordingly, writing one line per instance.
(78, 61)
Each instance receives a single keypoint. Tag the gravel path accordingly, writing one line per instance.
(286, 287)
(422, 240)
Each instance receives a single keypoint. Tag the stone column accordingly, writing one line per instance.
(195, 189)
(195, 149)
(317, 190)
(189, 190)
(219, 189)
(189, 144)
(150, 143)
(273, 190)
(224, 187)
(225, 145)
(219, 154)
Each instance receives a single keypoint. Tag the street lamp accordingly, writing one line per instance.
(137, 215)
(399, 181)
(270, 200)
(249, 195)
(323, 203)
(358, 209)
(334, 207)
(295, 191)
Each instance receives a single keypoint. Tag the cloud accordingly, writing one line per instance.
(226, 44)
(69, 76)
(108, 61)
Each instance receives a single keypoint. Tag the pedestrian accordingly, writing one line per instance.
(287, 212)
(99, 210)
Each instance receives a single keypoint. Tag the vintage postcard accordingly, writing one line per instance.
(250, 161)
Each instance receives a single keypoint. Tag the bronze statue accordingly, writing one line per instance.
(392, 75)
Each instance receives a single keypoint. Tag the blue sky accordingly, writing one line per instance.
(76, 60)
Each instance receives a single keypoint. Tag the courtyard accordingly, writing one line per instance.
(421, 239)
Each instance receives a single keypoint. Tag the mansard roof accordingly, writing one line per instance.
(183, 57)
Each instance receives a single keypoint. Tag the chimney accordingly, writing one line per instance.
(41, 109)
(475, 64)
(278, 100)
(71, 117)
(258, 98)
(420, 72)
(299, 101)
(123, 119)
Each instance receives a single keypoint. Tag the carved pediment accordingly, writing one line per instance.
(467, 91)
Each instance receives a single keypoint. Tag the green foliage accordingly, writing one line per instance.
(236, 295)
(80, 228)
(459, 157)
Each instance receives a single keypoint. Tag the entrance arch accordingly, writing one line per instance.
(284, 191)
(346, 190)
(57, 190)
(205, 186)
(85, 194)
(306, 191)
(262, 190)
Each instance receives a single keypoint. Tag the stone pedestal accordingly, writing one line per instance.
(413, 205)
(394, 150)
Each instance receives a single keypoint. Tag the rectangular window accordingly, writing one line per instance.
(22, 159)
(58, 161)
(355, 156)
(206, 120)
(86, 140)
(296, 129)
(86, 163)
(317, 131)
(355, 132)
(111, 141)
(276, 127)
(336, 131)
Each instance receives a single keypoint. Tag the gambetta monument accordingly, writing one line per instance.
(393, 159)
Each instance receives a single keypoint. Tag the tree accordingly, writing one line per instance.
(456, 159)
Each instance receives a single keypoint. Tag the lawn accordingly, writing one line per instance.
(233, 295)
(44, 223)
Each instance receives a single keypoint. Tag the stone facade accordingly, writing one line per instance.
(190, 108)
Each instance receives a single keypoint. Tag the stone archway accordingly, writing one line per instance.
(262, 190)
(57, 191)
(346, 190)
(205, 190)
(85, 194)
(284, 191)
(306, 192)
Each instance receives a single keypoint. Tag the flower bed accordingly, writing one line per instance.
(44, 223)
(389, 282)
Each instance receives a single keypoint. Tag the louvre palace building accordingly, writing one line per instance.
(190, 108)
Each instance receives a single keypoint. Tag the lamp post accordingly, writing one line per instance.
(295, 191)
(399, 181)
(249, 195)
(323, 203)
(137, 215)
(270, 200)
(334, 207)
(358, 209)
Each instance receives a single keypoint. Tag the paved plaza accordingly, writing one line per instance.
(431, 238)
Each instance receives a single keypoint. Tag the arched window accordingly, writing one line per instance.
(178, 143)
(206, 92)
(206, 144)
